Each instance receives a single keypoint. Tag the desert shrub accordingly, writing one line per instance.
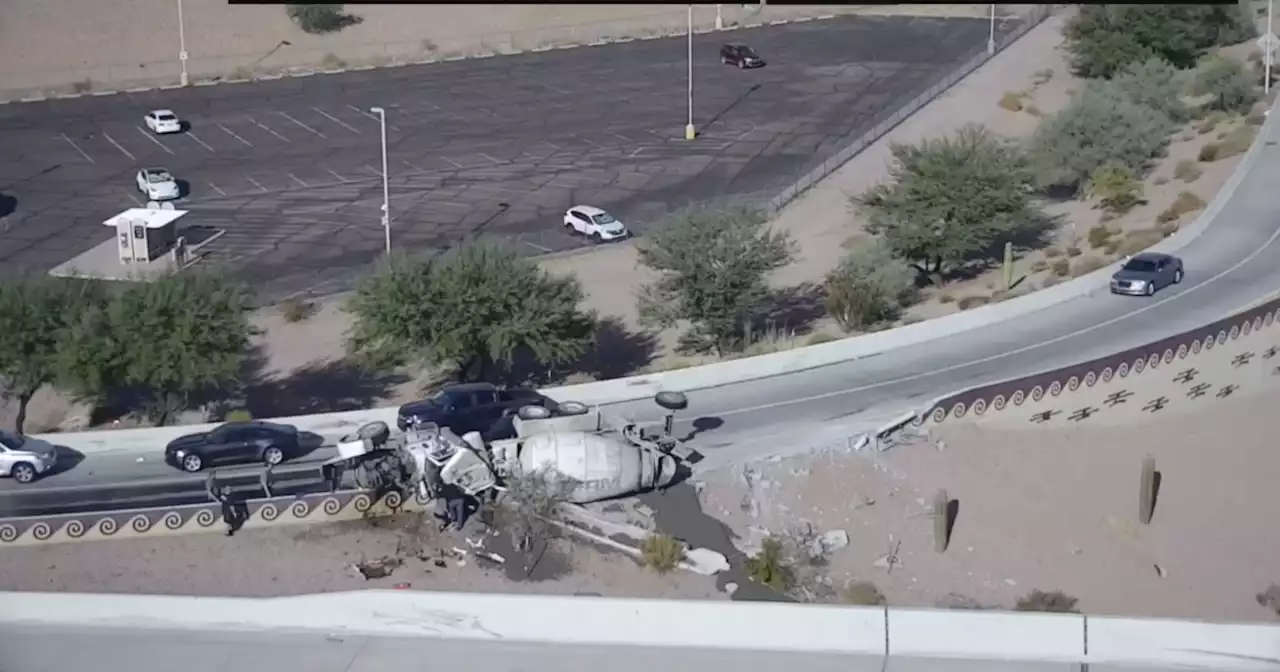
(820, 337)
(946, 298)
(1186, 202)
(662, 553)
(870, 285)
(1116, 188)
(1167, 229)
(1099, 236)
(1052, 252)
(1073, 251)
(238, 415)
(770, 567)
(1137, 241)
(294, 309)
(1033, 111)
(1209, 152)
(1187, 171)
(1055, 601)
(1087, 265)
(1103, 39)
(1042, 77)
(331, 61)
(1256, 118)
(319, 18)
(1011, 102)
(1156, 84)
(1060, 267)
(967, 302)
(1050, 281)
(863, 593)
(1227, 81)
(1039, 266)
(1237, 142)
(1270, 598)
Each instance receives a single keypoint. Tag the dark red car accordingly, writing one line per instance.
(740, 55)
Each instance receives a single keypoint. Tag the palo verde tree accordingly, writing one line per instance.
(1104, 39)
(160, 343)
(713, 269)
(477, 306)
(951, 200)
(34, 317)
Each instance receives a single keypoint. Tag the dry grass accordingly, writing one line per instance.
(1186, 203)
(965, 303)
(863, 593)
(1087, 265)
(1011, 101)
(295, 309)
(1187, 171)
(662, 553)
(1060, 267)
(1134, 242)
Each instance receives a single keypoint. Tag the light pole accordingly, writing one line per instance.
(991, 35)
(386, 189)
(719, 19)
(1268, 53)
(689, 131)
(182, 47)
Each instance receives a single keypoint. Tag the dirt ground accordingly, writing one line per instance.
(294, 560)
(1041, 509)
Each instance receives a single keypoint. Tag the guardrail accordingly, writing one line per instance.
(881, 634)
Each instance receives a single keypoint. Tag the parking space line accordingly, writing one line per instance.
(135, 199)
(122, 149)
(453, 163)
(215, 188)
(233, 134)
(303, 125)
(412, 166)
(255, 123)
(375, 170)
(295, 179)
(340, 178)
(152, 139)
(191, 135)
(495, 161)
(77, 148)
(255, 183)
(635, 153)
(372, 116)
(336, 120)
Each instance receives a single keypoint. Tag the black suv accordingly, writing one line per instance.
(469, 407)
(233, 442)
(740, 55)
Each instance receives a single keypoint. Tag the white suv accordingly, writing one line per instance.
(594, 223)
(157, 184)
(24, 458)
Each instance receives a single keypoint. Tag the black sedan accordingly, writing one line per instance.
(1144, 274)
(469, 407)
(233, 443)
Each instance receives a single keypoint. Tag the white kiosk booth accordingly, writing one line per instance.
(144, 234)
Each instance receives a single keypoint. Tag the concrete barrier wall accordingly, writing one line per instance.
(864, 631)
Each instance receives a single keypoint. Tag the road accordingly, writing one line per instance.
(291, 169)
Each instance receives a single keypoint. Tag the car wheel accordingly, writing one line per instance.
(1177, 276)
(273, 455)
(23, 472)
(597, 238)
(724, 61)
(742, 65)
(192, 463)
(1151, 288)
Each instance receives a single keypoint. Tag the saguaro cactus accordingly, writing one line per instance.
(941, 521)
(1147, 491)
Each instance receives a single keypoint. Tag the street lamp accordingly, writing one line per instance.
(689, 131)
(719, 19)
(182, 47)
(991, 34)
(386, 189)
(1268, 52)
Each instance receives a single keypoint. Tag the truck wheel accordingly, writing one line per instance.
(376, 432)
(672, 401)
(572, 408)
(533, 413)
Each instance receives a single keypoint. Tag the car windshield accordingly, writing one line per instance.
(11, 441)
(747, 51)
(603, 219)
(157, 177)
(166, 117)
(1140, 266)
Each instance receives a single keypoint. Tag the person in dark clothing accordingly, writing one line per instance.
(265, 479)
(457, 506)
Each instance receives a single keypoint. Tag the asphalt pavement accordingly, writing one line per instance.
(291, 169)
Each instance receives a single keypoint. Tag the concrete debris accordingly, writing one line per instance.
(1011, 582)
(882, 563)
(460, 552)
(473, 543)
(706, 561)
(376, 569)
(643, 510)
(1160, 571)
(829, 542)
(730, 588)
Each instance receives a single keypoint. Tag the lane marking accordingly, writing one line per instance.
(1028, 348)
(455, 164)
(373, 117)
(495, 161)
(337, 121)
(375, 170)
(77, 148)
(412, 166)
(633, 155)
(152, 139)
(191, 135)
(255, 183)
(215, 188)
(233, 134)
(295, 179)
(122, 149)
(340, 178)
(135, 199)
(255, 123)
(303, 125)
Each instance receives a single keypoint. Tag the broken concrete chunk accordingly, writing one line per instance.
(706, 561)
(643, 510)
(376, 569)
(829, 542)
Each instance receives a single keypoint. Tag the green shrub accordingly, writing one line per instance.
(295, 309)
(1056, 602)
(319, 18)
(770, 567)
(870, 285)
(1209, 152)
(1103, 39)
(1116, 188)
(1187, 171)
(1156, 84)
(1227, 81)
(662, 553)
(1060, 267)
(1099, 236)
(863, 593)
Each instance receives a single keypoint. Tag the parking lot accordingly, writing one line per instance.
(292, 168)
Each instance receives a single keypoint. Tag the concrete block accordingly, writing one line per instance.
(1156, 642)
(985, 635)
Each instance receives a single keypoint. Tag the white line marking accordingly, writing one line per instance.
(122, 149)
(372, 116)
(215, 188)
(152, 138)
(340, 178)
(592, 143)
(233, 134)
(455, 164)
(191, 135)
(77, 148)
(537, 247)
(336, 120)
(295, 179)
(303, 125)
(375, 170)
(255, 123)
(1034, 346)
(255, 183)
(633, 154)
(412, 166)
(495, 161)
(133, 197)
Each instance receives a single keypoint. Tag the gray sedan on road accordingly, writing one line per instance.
(1143, 274)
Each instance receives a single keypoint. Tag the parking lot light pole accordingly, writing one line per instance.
(386, 189)
(1268, 53)
(689, 131)
(182, 47)
(991, 35)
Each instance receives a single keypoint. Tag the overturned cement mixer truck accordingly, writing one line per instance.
(599, 456)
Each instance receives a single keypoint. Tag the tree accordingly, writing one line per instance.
(1103, 39)
(160, 343)
(319, 18)
(529, 511)
(713, 270)
(951, 199)
(870, 285)
(1101, 125)
(1229, 83)
(476, 306)
(1156, 84)
(34, 315)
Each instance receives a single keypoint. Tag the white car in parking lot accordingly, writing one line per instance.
(594, 223)
(163, 121)
(24, 458)
(157, 184)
